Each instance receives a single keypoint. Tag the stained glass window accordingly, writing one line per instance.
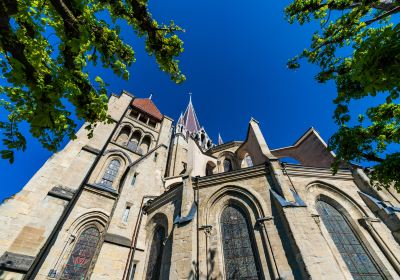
(353, 252)
(239, 258)
(155, 255)
(227, 165)
(82, 254)
(111, 173)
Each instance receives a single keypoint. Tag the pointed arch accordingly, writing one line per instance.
(228, 161)
(354, 253)
(328, 202)
(251, 208)
(210, 168)
(158, 244)
(83, 245)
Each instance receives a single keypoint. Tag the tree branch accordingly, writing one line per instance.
(386, 14)
(372, 157)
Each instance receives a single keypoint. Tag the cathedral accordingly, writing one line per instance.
(151, 198)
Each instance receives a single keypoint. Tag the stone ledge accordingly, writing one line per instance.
(61, 192)
(102, 189)
(90, 149)
(16, 262)
(117, 240)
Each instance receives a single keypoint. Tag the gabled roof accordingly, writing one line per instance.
(146, 105)
(309, 150)
(190, 119)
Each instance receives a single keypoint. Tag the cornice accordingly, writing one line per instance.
(224, 146)
(226, 177)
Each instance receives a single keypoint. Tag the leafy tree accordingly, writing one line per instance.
(44, 49)
(358, 47)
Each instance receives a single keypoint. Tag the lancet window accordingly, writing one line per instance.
(353, 252)
(81, 257)
(238, 247)
(155, 255)
(249, 161)
(227, 165)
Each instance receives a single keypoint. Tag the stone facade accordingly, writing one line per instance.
(143, 199)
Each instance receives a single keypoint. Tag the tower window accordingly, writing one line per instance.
(111, 173)
(134, 179)
(152, 123)
(134, 114)
(126, 214)
(143, 119)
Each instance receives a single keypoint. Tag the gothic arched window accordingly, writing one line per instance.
(81, 257)
(227, 165)
(111, 173)
(238, 251)
(353, 252)
(155, 255)
(249, 161)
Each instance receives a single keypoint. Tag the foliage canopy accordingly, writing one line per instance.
(358, 47)
(44, 49)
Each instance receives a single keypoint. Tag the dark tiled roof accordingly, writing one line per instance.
(147, 106)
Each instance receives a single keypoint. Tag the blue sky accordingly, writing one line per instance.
(235, 62)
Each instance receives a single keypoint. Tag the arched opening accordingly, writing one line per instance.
(247, 161)
(357, 258)
(228, 165)
(82, 255)
(111, 173)
(210, 168)
(208, 144)
(124, 135)
(238, 245)
(145, 145)
(134, 141)
(155, 254)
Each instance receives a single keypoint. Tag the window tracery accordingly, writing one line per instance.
(353, 252)
(81, 257)
(111, 173)
(238, 252)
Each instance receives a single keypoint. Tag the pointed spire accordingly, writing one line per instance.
(220, 141)
(180, 120)
(189, 117)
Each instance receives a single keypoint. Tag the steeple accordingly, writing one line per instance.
(190, 120)
(189, 126)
